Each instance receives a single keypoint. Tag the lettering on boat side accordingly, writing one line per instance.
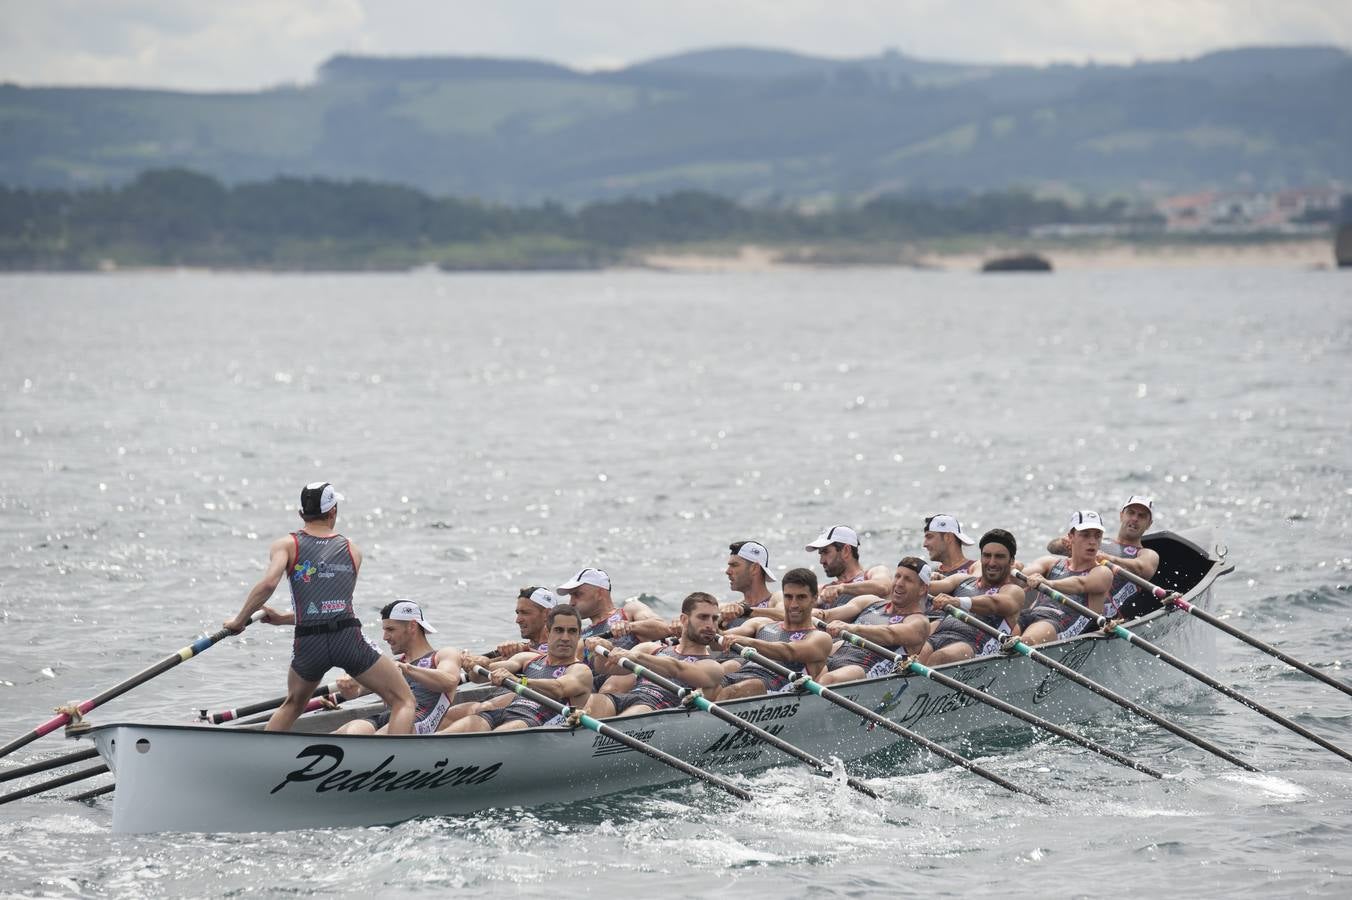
(927, 704)
(1074, 659)
(769, 713)
(738, 740)
(603, 745)
(380, 778)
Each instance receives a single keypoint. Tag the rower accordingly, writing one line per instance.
(323, 566)
(1078, 576)
(532, 605)
(589, 592)
(837, 550)
(795, 642)
(1126, 600)
(991, 596)
(944, 540)
(748, 574)
(556, 673)
(432, 675)
(688, 663)
(898, 623)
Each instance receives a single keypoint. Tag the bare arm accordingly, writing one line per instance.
(910, 632)
(577, 680)
(653, 629)
(1094, 584)
(751, 626)
(279, 555)
(848, 612)
(444, 677)
(703, 673)
(1146, 563)
(813, 649)
(948, 584)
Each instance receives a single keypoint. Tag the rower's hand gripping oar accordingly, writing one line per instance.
(1135, 640)
(1174, 599)
(1089, 684)
(699, 701)
(520, 688)
(985, 697)
(230, 715)
(802, 680)
(122, 687)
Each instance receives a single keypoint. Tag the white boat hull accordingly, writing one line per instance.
(204, 778)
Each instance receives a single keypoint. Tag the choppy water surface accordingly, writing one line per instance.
(491, 432)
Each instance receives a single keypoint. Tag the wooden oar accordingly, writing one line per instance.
(701, 702)
(229, 715)
(802, 680)
(122, 687)
(521, 690)
(1164, 656)
(1176, 600)
(995, 702)
(1089, 684)
(55, 762)
(54, 783)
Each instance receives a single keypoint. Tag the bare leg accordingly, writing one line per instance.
(844, 673)
(636, 709)
(468, 724)
(752, 687)
(619, 684)
(951, 653)
(600, 706)
(1039, 633)
(357, 726)
(384, 679)
(298, 694)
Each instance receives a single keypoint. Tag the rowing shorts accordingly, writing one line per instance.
(850, 655)
(1067, 622)
(645, 696)
(314, 654)
(519, 710)
(773, 682)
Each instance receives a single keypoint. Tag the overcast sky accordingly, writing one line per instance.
(246, 44)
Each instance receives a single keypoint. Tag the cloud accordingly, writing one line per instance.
(246, 44)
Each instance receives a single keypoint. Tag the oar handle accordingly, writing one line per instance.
(807, 683)
(230, 715)
(633, 743)
(64, 759)
(122, 687)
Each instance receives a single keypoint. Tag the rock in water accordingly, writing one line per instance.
(1022, 262)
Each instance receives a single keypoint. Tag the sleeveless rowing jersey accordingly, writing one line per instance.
(322, 578)
(429, 704)
(661, 694)
(775, 631)
(952, 627)
(849, 655)
(842, 598)
(741, 620)
(1122, 590)
(602, 629)
(1058, 571)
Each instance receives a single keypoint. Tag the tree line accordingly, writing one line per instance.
(172, 217)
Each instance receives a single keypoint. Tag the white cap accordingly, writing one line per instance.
(1139, 500)
(408, 611)
(544, 597)
(1085, 520)
(318, 497)
(925, 572)
(948, 525)
(836, 534)
(754, 551)
(586, 576)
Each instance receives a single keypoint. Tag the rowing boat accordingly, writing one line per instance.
(203, 778)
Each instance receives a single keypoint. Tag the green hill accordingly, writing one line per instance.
(758, 125)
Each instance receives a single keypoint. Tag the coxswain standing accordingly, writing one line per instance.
(323, 566)
(1078, 576)
(991, 596)
(556, 673)
(897, 623)
(432, 675)
(688, 663)
(837, 550)
(795, 642)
